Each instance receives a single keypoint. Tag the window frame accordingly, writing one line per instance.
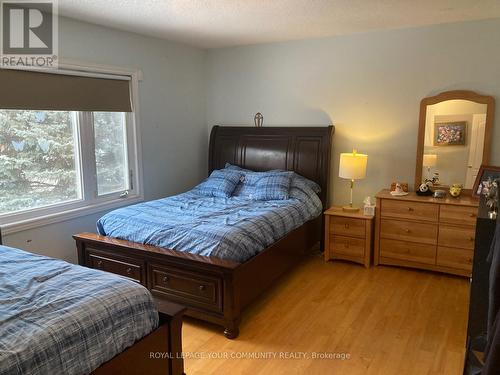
(90, 202)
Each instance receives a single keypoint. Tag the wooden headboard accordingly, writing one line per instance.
(305, 150)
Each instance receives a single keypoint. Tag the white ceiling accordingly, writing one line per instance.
(222, 23)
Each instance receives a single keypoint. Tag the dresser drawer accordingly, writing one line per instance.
(409, 231)
(116, 264)
(347, 226)
(455, 258)
(409, 251)
(402, 209)
(461, 215)
(185, 287)
(347, 246)
(461, 237)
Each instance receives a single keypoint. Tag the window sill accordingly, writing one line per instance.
(69, 214)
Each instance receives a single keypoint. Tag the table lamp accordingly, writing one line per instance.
(430, 160)
(352, 167)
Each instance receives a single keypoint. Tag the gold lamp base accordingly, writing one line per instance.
(350, 209)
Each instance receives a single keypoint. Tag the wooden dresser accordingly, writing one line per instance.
(425, 232)
(348, 236)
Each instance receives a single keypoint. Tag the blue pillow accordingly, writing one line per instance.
(272, 185)
(220, 183)
(296, 178)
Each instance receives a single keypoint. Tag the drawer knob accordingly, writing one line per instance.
(99, 264)
(471, 238)
(472, 215)
(165, 279)
(202, 288)
(410, 209)
(346, 245)
(129, 270)
(346, 226)
(407, 230)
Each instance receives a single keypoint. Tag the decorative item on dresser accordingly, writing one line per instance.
(425, 232)
(348, 236)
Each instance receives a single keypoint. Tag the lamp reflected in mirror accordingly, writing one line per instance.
(430, 160)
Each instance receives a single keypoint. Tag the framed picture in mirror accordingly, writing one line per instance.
(450, 133)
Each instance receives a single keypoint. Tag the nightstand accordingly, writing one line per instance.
(348, 236)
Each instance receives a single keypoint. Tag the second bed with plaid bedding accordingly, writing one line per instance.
(234, 228)
(59, 318)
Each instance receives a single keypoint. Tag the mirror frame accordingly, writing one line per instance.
(451, 95)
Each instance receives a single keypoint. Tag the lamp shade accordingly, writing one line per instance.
(352, 165)
(430, 160)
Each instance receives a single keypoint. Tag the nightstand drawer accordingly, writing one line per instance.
(455, 258)
(461, 237)
(408, 251)
(402, 209)
(409, 231)
(347, 246)
(346, 226)
(458, 215)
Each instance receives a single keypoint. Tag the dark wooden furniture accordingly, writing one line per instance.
(213, 289)
(479, 293)
(159, 353)
(348, 236)
(425, 232)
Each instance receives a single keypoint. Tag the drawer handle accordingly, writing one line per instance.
(202, 288)
(410, 209)
(165, 279)
(99, 264)
(346, 226)
(129, 270)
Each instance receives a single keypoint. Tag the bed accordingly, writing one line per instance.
(216, 289)
(57, 317)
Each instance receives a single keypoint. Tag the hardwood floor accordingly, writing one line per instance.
(389, 320)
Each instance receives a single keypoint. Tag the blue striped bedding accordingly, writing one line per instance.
(234, 228)
(59, 318)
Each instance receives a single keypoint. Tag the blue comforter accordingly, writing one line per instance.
(59, 318)
(232, 228)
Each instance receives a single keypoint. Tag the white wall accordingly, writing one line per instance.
(368, 85)
(172, 119)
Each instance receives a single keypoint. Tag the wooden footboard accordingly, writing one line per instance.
(160, 352)
(212, 289)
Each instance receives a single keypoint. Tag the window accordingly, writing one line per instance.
(110, 139)
(57, 161)
(39, 159)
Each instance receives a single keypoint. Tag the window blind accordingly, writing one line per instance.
(21, 89)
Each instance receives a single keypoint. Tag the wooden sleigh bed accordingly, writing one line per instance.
(213, 289)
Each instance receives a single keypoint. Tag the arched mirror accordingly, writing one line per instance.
(454, 137)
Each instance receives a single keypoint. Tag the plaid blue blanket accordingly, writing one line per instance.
(59, 318)
(234, 228)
